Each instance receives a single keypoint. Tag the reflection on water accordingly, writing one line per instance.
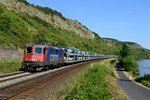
(144, 66)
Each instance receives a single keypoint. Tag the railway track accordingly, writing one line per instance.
(39, 81)
(11, 76)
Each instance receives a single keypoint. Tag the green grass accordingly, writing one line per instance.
(92, 85)
(8, 66)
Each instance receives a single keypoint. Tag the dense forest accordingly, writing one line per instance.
(18, 29)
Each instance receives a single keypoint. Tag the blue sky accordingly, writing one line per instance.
(125, 20)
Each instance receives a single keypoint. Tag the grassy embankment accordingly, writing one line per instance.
(98, 82)
(8, 66)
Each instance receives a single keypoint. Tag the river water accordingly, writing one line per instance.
(144, 66)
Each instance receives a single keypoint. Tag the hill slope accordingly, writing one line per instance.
(22, 23)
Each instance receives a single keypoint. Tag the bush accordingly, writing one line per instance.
(144, 80)
(113, 61)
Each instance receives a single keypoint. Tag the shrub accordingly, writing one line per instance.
(113, 61)
(144, 80)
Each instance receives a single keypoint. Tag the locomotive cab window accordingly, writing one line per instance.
(45, 51)
(38, 50)
(29, 50)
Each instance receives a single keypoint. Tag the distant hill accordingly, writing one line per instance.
(22, 23)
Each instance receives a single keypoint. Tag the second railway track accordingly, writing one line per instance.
(12, 76)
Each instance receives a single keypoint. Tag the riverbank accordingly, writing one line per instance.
(141, 81)
(145, 80)
(144, 73)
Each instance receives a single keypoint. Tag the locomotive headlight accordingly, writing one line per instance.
(33, 59)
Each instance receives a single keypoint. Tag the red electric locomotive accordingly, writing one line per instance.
(38, 57)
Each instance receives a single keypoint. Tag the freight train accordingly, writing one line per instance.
(44, 56)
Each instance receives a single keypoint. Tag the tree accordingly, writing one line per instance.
(127, 61)
(124, 52)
